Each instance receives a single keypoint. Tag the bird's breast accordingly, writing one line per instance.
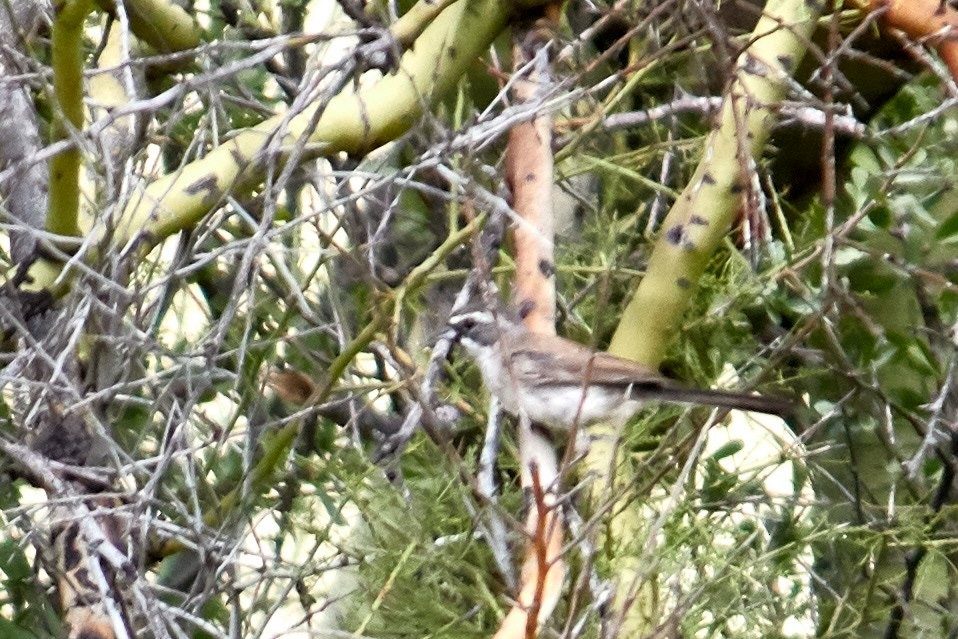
(565, 406)
(556, 405)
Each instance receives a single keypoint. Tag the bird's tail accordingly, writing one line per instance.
(726, 399)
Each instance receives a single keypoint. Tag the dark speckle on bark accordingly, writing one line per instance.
(71, 555)
(206, 183)
(753, 66)
(525, 307)
(238, 158)
(674, 234)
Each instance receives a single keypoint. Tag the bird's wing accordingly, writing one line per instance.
(546, 360)
(540, 359)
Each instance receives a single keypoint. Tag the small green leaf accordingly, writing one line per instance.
(13, 562)
(948, 229)
(9, 630)
(728, 449)
(333, 509)
(872, 277)
(864, 157)
(880, 216)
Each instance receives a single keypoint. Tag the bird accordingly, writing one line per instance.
(562, 384)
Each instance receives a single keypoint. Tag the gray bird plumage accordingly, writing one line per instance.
(560, 383)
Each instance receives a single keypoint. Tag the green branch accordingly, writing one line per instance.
(412, 23)
(67, 58)
(691, 232)
(163, 25)
(354, 122)
(701, 218)
(350, 122)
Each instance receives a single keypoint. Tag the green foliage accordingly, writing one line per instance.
(848, 306)
(421, 545)
(27, 611)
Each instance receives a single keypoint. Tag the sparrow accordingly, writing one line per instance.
(562, 384)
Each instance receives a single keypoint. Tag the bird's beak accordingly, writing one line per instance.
(449, 334)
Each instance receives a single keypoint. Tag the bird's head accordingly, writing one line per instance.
(478, 328)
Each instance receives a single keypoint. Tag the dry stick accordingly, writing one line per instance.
(529, 173)
(97, 613)
(352, 121)
(101, 612)
(494, 527)
(936, 22)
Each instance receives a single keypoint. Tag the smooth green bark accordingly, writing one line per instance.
(701, 218)
(67, 57)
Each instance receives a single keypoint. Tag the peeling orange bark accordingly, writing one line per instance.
(931, 20)
(529, 174)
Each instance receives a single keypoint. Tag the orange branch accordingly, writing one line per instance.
(529, 174)
(930, 20)
(543, 569)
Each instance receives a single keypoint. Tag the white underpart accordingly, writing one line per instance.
(587, 405)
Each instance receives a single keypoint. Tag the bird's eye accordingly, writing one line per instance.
(463, 325)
